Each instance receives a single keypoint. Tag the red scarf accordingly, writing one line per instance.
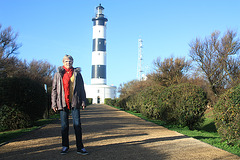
(66, 84)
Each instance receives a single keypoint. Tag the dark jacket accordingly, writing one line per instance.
(79, 95)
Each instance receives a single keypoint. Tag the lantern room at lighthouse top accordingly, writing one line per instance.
(99, 11)
(99, 19)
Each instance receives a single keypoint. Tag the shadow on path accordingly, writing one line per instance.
(110, 134)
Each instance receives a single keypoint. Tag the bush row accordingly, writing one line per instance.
(182, 104)
(21, 100)
(185, 104)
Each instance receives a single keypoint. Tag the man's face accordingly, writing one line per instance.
(67, 63)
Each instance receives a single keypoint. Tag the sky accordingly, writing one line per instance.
(49, 29)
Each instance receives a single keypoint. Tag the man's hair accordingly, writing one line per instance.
(68, 57)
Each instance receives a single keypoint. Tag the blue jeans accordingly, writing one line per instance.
(64, 115)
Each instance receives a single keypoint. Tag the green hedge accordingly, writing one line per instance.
(121, 102)
(13, 118)
(109, 101)
(227, 116)
(185, 104)
(182, 104)
(89, 101)
(26, 95)
(132, 103)
(146, 101)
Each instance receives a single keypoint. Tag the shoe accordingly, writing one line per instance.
(82, 151)
(64, 150)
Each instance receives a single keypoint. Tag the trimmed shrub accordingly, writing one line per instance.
(133, 103)
(13, 118)
(107, 101)
(149, 101)
(122, 103)
(26, 95)
(184, 104)
(227, 116)
(110, 101)
(89, 101)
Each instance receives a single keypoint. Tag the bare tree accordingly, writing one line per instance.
(170, 71)
(215, 57)
(8, 48)
(8, 45)
(11, 66)
(41, 71)
(132, 87)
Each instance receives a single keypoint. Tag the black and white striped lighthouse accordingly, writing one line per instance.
(99, 90)
(99, 48)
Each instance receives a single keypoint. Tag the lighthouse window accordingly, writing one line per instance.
(99, 31)
(99, 54)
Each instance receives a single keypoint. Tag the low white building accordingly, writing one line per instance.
(99, 92)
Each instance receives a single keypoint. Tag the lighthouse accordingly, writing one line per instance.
(99, 48)
(98, 91)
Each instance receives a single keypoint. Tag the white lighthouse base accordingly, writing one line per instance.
(99, 92)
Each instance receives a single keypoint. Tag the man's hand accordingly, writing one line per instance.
(55, 109)
(83, 107)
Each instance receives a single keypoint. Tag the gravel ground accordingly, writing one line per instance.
(110, 134)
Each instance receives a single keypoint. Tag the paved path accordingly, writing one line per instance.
(110, 134)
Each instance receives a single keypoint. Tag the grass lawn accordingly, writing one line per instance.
(207, 133)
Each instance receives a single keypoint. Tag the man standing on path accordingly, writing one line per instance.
(68, 94)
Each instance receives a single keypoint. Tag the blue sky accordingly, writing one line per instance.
(49, 29)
